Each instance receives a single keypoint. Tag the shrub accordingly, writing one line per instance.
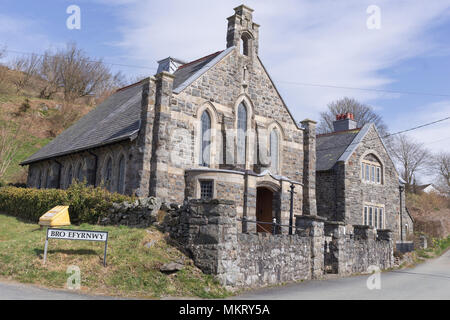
(86, 203)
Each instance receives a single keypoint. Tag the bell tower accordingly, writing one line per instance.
(243, 32)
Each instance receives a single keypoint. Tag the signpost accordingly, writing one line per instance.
(86, 235)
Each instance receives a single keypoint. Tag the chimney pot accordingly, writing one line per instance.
(344, 121)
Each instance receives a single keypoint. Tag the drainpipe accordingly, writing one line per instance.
(95, 167)
(291, 211)
(401, 188)
(244, 222)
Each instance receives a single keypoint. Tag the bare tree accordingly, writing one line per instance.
(362, 114)
(441, 165)
(3, 69)
(49, 71)
(2, 52)
(28, 66)
(81, 76)
(412, 158)
(10, 143)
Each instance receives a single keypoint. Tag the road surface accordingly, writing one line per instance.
(430, 280)
(18, 291)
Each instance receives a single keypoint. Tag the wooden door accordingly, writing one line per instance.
(264, 201)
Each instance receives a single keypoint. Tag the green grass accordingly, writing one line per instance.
(132, 269)
(437, 248)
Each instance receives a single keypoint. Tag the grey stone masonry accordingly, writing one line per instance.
(309, 167)
(313, 227)
(208, 230)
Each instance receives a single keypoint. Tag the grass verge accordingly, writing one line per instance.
(132, 263)
(437, 248)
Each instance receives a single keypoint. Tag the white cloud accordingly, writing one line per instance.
(318, 42)
(435, 137)
(22, 34)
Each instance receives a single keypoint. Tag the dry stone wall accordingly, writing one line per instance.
(207, 230)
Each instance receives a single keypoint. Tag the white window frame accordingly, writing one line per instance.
(373, 215)
(371, 172)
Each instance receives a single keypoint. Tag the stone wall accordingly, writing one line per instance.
(208, 231)
(141, 213)
(265, 259)
(367, 247)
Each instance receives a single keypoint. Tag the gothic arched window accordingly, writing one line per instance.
(121, 175)
(274, 150)
(205, 139)
(47, 179)
(241, 134)
(108, 174)
(79, 172)
(39, 182)
(69, 176)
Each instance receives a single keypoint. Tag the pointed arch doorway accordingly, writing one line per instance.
(264, 209)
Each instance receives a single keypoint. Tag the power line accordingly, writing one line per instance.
(388, 135)
(87, 60)
(286, 82)
(367, 89)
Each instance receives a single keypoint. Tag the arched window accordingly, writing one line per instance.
(274, 150)
(69, 176)
(79, 172)
(241, 134)
(47, 179)
(108, 174)
(205, 139)
(39, 182)
(371, 170)
(121, 175)
(245, 44)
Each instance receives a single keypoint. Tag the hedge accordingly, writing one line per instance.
(86, 203)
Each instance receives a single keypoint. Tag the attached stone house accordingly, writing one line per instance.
(356, 180)
(213, 127)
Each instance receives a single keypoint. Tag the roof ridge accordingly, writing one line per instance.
(200, 59)
(342, 131)
(131, 85)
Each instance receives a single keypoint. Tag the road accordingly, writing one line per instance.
(17, 291)
(430, 280)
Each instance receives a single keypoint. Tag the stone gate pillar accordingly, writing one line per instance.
(210, 235)
(313, 227)
(336, 230)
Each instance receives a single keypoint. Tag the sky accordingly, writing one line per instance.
(315, 51)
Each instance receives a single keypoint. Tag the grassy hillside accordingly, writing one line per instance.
(134, 258)
(431, 213)
(37, 120)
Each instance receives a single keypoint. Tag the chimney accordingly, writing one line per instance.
(169, 64)
(344, 121)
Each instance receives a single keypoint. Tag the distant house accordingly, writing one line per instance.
(427, 188)
(356, 180)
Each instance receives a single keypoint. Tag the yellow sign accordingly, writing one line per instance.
(56, 217)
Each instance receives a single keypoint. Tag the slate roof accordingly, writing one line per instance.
(117, 118)
(331, 146)
(184, 72)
